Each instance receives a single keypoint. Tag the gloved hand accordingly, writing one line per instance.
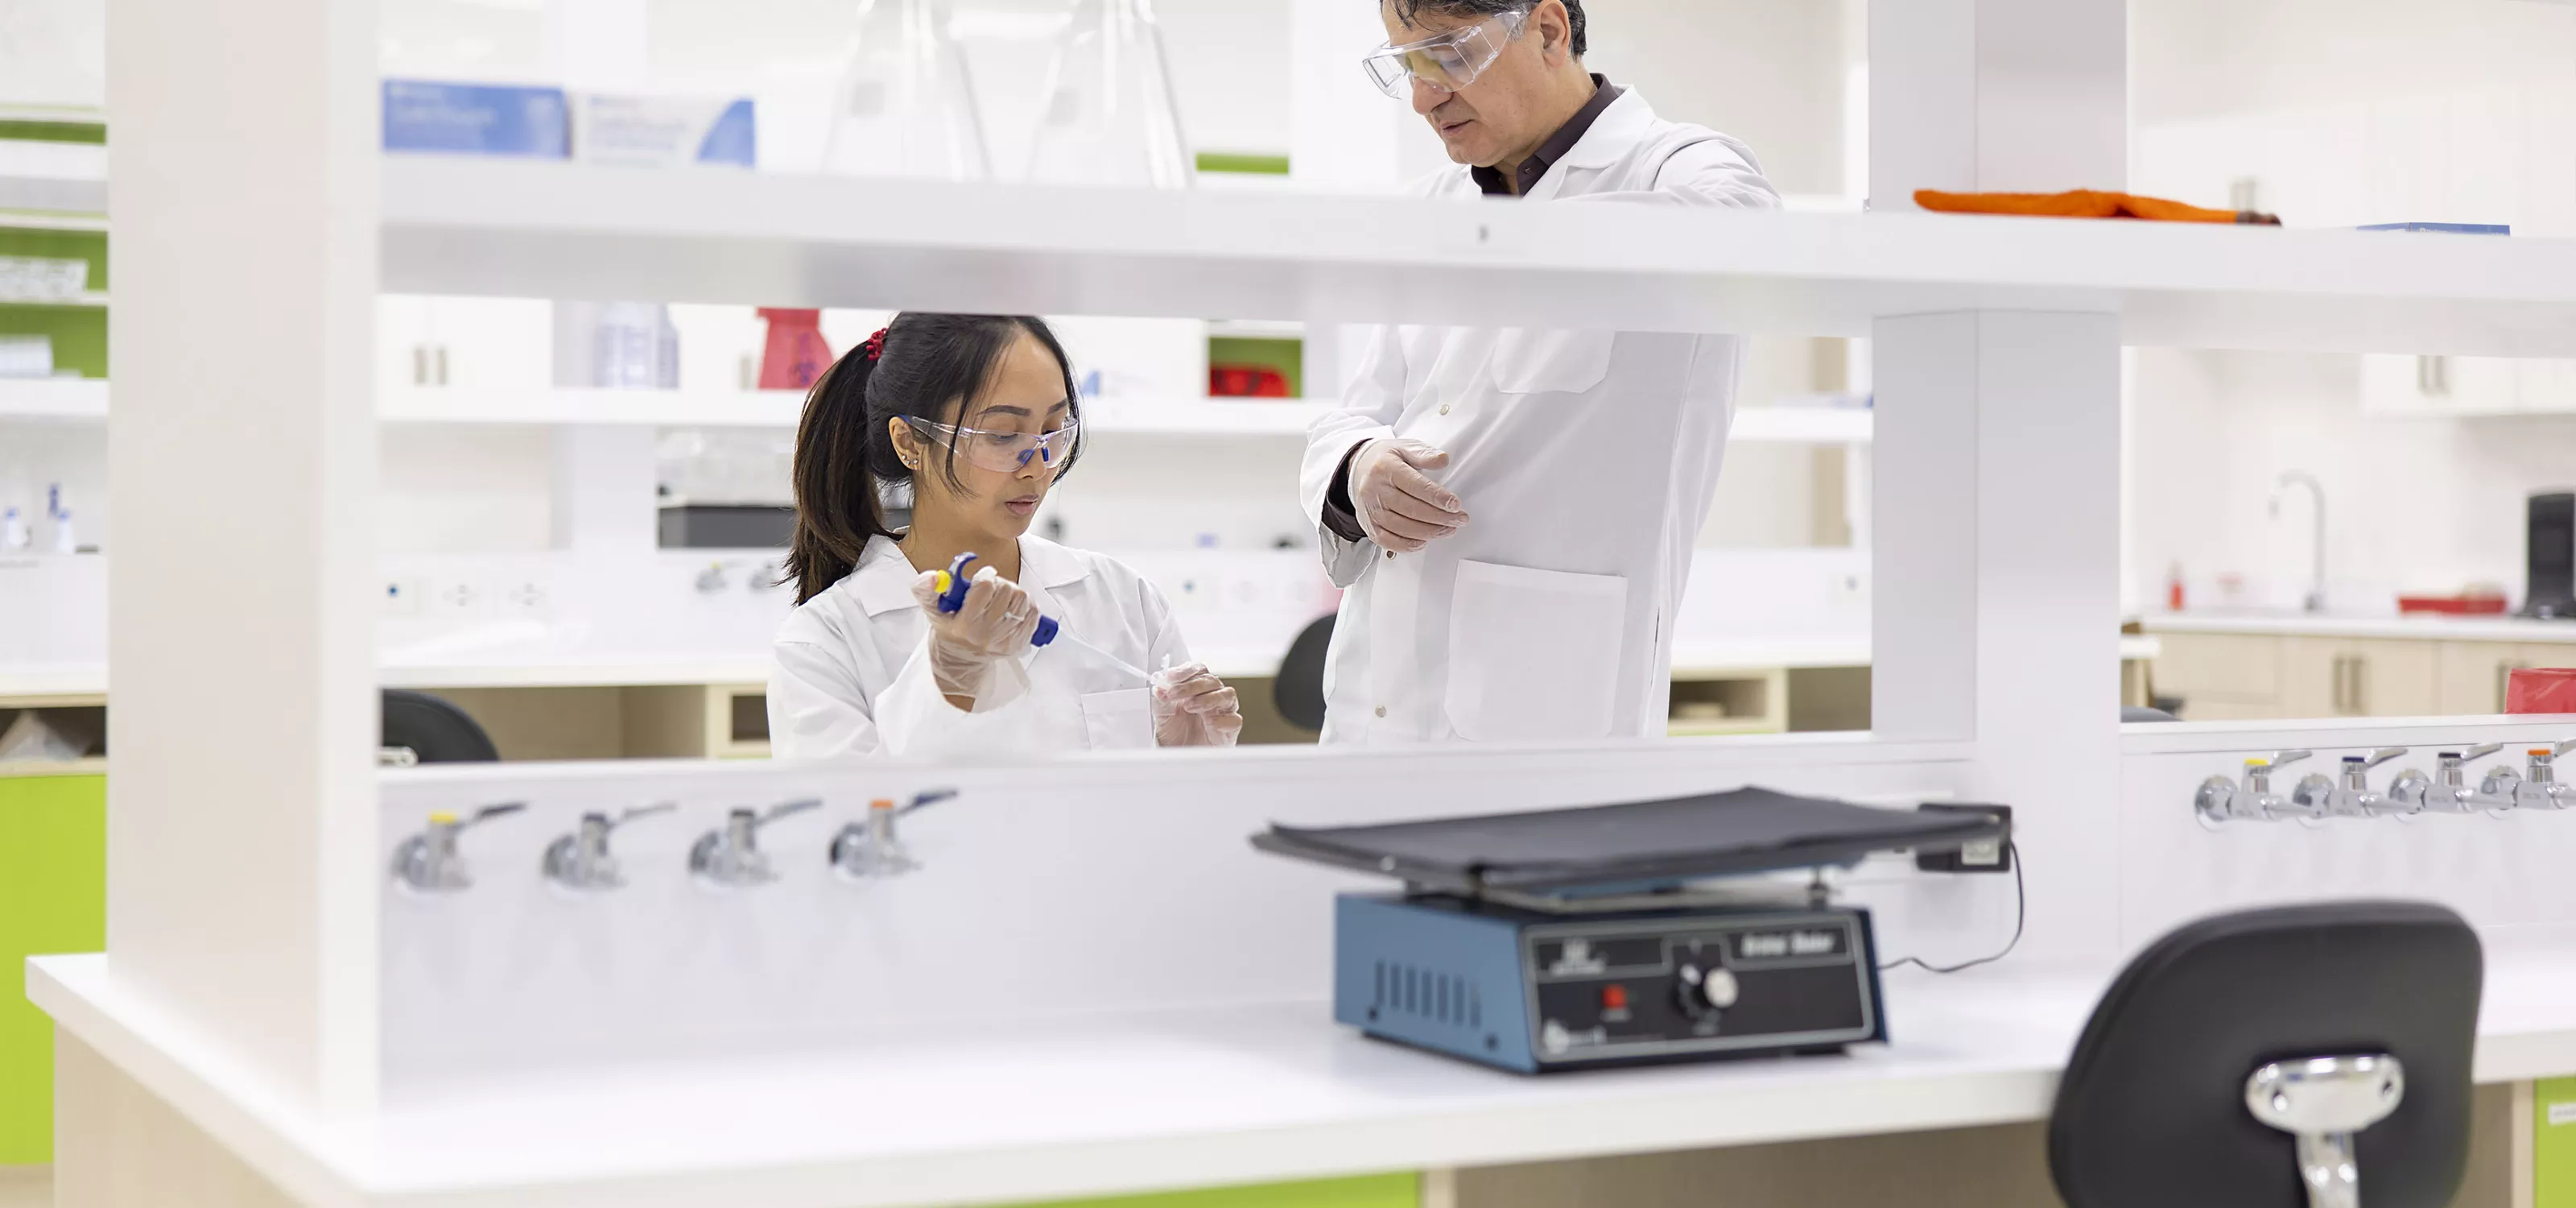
(974, 651)
(1193, 708)
(1397, 506)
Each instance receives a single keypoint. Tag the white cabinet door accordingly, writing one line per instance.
(493, 343)
(2547, 386)
(2441, 385)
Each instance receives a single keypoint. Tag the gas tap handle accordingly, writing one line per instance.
(2480, 751)
(2285, 758)
(489, 812)
(786, 809)
(924, 800)
(643, 811)
(2382, 755)
(2562, 748)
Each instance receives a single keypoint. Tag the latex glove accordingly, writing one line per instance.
(1193, 708)
(974, 651)
(1397, 506)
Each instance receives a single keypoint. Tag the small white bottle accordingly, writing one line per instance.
(64, 541)
(13, 531)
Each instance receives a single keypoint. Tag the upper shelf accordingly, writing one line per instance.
(86, 400)
(68, 178)
(473, 226)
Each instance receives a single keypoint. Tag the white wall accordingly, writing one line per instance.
(2344, 112)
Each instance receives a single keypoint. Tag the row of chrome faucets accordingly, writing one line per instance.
(728, 857)
(2411, 792)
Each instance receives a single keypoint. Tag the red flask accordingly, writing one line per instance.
(796, 353)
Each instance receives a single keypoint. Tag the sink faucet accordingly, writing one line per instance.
(428, 862)
(2447, 791)
(870, 849)
(729, 856)
(2224, 800)
(2316, 599)
(581, 861)
(2541, 789)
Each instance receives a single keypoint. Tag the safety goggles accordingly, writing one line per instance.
(1445, 62)
(1002, 452)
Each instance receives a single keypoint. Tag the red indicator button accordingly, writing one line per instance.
(1614, 998)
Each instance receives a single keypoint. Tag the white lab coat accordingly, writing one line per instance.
(1586, 461)
(850, 671)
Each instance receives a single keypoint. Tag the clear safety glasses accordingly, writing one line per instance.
(1002, 452)
(1447, 62)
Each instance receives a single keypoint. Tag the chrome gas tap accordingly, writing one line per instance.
(729, 857)
(581, 861)
(2540, 788)
(2224, 800)
(867, 850)
(428, 862)
(2353, 798)
(2447, 790)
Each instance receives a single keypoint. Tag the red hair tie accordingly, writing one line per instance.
(876, 344)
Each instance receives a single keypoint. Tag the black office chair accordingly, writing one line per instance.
(434, 730)
(1299, 690)
(2273, 1057)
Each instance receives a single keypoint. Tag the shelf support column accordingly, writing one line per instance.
(1995, 509)
(243, 869)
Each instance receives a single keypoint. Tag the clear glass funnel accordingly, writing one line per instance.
(1110, 115)
(905, 105)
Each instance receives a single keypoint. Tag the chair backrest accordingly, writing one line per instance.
(434, 730)
(2152, 1111)
(1299, 690)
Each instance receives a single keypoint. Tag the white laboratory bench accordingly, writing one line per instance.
(2255, 666)
(1259, 1093)
(2418, 627)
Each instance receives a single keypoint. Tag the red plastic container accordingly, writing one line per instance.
(1246, 381)
(2458, 606)
(796, 353)
(2541, 690)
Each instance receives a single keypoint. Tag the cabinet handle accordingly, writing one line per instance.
(420, 364)
(2433, 375)
(442, 364)
(2360, 687)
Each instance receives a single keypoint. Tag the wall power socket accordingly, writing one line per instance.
(1988, 855)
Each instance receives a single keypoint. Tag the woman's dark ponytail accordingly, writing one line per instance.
(923, 365)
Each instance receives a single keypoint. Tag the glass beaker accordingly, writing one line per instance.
(905, 105)
(1110, 115)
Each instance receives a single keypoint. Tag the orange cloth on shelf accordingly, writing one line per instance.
(2081, 203)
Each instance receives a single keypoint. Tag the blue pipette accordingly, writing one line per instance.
(952, 584)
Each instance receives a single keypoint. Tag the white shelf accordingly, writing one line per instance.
(27, 220)
(87, 297)
(1803, 425)
(660, 408)
(1203, 416)
(1256, 329)
(57, 177)
(53, 399)
(463, 225)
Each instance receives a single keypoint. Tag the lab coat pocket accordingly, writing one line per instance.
(1121, 720)
(1551, 360)
(1534, 654)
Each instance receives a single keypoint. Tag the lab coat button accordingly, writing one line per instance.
(1444, 408)
(1390, 554)
(1381, 710)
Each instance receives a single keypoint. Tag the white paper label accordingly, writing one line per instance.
(2562, 1113)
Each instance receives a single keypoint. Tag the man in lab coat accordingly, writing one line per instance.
(1513, 511)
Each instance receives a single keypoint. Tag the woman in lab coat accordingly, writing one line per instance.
(977, 413)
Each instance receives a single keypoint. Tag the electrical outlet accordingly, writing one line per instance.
(458, 598)
(1984, 855)
(526, 596)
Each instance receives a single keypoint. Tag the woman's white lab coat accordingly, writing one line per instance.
(850, 671)
(1586, 461)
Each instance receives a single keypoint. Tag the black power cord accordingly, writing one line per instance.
(2021, 908)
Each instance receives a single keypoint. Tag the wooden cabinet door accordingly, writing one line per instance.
(2221, 676)
(2334, 677)
(2473, 675)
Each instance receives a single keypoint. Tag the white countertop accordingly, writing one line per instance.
(1259, 1093)
(1689, 658)
(2431, 628)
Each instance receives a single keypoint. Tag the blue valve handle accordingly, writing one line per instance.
(952, 584)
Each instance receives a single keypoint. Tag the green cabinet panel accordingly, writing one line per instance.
(1369, 1191)
(53, 898)
(2553, 1145)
